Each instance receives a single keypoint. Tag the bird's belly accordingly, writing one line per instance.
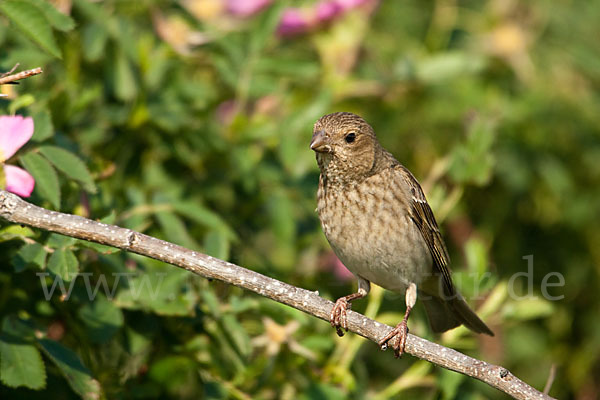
(378, 244)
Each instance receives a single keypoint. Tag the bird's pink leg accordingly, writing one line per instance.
(400, 332)
(338, 317)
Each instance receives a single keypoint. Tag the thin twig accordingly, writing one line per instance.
(20, 75)
(16, 210)
(11, 70)
(551, 377)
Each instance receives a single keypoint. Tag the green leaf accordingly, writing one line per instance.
(320, 390)
(31, 21)
(200, 214)
(281, 214)
(216, 244)
(528, 308)
(210, 302)
(15, 232)
(46, 180)
(57, 19)
(110, 218)
(102, 319)
(21, 364)
(174, 372)
(70, 165)
(237, 334)
(318, 343)
(43, 126)
(175, 230)
(473, 160)
(79, 377)
(449, 381)
(476, 255)
(94, 40)
(161, 289)
(446, 66)
(58, 241)
(100, 248)
(16, 327)
(64, 264)
(265, 25)
(125, 87)
(29, 254)
(231, 359)
(23, 101)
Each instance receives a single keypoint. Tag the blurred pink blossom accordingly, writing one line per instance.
(295, 21)
(341, 272)
(348, 4)
(15, 131)
(327, 10)
(245, 8)
(332, 263)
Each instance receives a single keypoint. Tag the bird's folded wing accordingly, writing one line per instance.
(422, 215)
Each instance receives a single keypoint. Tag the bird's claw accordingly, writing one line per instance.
(396, 338)
(338, 317)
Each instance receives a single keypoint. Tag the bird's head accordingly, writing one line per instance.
(345, 146)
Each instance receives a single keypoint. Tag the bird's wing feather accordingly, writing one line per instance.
(422, 215)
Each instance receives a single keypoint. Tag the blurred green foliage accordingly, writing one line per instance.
(193, 126)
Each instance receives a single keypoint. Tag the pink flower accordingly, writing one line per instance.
(245, 8)
(18, 181)
(348, 4)
(327, 10)
(296, 21)
(15, 131)
(293, 22)
(341, 272)
(329, 261)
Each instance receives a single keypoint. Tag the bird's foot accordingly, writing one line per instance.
(338, 317)
(396, 338)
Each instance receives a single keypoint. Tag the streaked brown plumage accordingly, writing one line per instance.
(378, 222)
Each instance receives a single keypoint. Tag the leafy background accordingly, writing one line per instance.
(194, 127)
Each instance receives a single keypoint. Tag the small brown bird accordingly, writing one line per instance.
(377, 220)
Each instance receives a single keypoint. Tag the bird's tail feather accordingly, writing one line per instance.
(448, 314)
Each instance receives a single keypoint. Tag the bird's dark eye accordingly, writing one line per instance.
(351, 137)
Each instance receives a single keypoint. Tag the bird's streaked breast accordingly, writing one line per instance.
(371, 232)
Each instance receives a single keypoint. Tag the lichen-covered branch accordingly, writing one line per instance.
(16, 210)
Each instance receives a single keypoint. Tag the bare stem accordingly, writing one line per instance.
(20, 75)
(550, 380)
(16, 210)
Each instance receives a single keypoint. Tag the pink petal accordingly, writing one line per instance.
(332, 263)
(327, 10)
(245, 8)
(18, 181)
(341, 272)
(15, 131)
(348, 4)
(292, 22)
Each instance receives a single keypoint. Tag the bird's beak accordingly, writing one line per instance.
(320, 142)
